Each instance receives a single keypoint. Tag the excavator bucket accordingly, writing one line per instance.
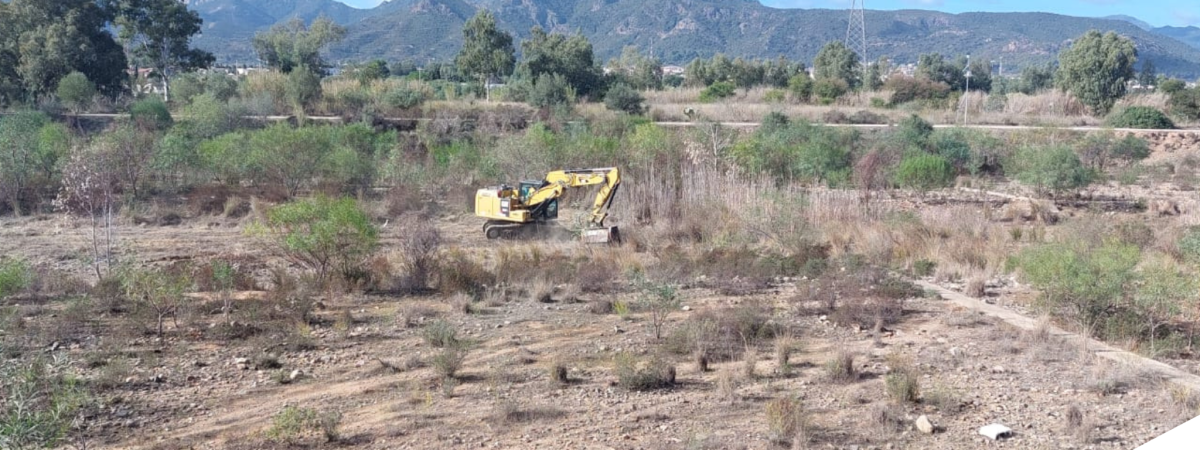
(602, 235)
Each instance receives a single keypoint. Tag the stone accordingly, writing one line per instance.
(996, 431)
(998, 369)
(294, 375)
(924, 425)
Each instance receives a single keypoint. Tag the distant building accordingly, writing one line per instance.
(673, 70)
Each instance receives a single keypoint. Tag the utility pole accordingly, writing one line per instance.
(967, 93)
(856, 34)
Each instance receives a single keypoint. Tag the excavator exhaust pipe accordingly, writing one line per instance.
(608, 235)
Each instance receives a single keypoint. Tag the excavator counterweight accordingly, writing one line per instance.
(510, 211)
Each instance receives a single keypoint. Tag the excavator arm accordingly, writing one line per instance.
(558, 181)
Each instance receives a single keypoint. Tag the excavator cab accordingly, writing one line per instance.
(509, 210)
(525, 189)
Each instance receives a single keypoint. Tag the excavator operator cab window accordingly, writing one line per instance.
(527, 188)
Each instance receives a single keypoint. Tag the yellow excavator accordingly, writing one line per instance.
(510, 211)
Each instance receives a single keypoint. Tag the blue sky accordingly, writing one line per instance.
(1158, 13)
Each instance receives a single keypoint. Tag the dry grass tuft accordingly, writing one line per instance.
(840, 368)
(786, 421)
(902, 382)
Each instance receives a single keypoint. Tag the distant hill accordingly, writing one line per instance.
(679, 30)
(1133, 20)
(230, 24)
(1187, 35)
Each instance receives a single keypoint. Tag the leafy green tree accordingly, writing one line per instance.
(569, 56)
(800, 86)
(1037, 78)
(621, 97)
(1170, 86)
(717, 91)
(326, 235)
(487, 51)
(1095, 69)
(1186, 103)
(30, 148)
(159, 32)
(829, 90)
(875, 74)
(290, 45)
(1148, 77)
(288, 157)
(835, 61)
(551, 90)
(638, 71)
(42, 41)
(372, 70)
(303, 88)
(76, 91)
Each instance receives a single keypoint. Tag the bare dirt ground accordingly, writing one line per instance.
(372, 365)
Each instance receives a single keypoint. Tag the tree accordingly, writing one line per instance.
(41, 41)
(1096, 68)
(303, 87)
(76, 91)
(936, 68)
(160, 32)
(486, 51)
(290, 45)
(1037, 78)
(835, 61)
(550, 90)
(1161, 296)
(373, 70)
(636, 70)
(571, 57)
(621, 97)
(156, 293)
(30, 149)
(1148, 77)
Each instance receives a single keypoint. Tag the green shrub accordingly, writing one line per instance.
(326, 235)
(76, 91)
(1079, 280)
(906, 89)
(840, 368)
(830, 89)
(295, 424)
(775, 96)
(40, 402)
(621, 97)
(1052, 169)
(913, 132)
(403, 97)
(1185, 103)
(1142, 117)
(448, 361)
(440, 333)
(15, 276)
(717, 91)
(303, 88)
(551, 90)
(1189, 245)
(800, 87)
(924, 172)
(150, 114)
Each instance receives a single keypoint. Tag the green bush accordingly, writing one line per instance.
(621, 97)
(799, 151)
(1077, 279)
(906, 89)
(1185, 103)
(775, 96)
(829, 90)
(1189, 245)
(303, 88)
(441, 334)
(40, 402)
(1141, 117)
(76, 91)
(1054, 169)
(913, 132)
(551, 90)
(326, 235)
(151, 114)
(403, 97)
(800, 87)
(294, 424)
(717, 91)
(924, 172)
(15, 276)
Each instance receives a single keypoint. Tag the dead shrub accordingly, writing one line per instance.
(976, 288)
(558, 373)
(457, 272)
(597, 276)
(448, 361)
(867, 312)
(727, 386)
(723, 334)
(633, 375)
(786, 420)
(600, 307)
(419, 246)
(887, 418)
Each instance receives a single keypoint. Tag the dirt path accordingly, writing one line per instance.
(1093, 346)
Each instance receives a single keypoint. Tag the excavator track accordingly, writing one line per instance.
(495, 229)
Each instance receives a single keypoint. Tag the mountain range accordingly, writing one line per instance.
(679, 30)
